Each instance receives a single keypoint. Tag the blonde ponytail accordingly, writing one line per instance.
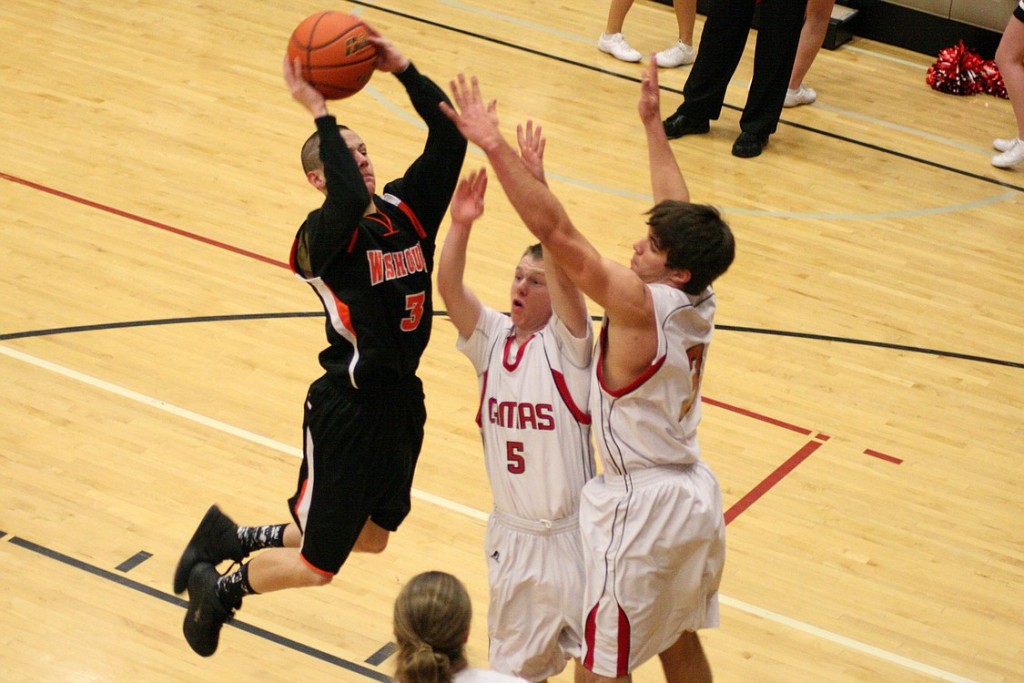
(431, 622)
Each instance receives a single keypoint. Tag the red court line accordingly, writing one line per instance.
(756, 416)
(771, 480)
(882, 456)
(140, 219)
(260, 257)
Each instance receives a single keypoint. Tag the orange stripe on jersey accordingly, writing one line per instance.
(412, 217)
(384, 220)
(344, 315)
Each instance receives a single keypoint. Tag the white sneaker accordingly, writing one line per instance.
(802, 95)
(615, 44)
(1003, 144)
(677, 55)
(1010, 157)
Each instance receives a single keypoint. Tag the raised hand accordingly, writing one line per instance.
(389, 59)
(531, 148)
(304, 93)
(468, 202)
(650, 96)
(477, 122)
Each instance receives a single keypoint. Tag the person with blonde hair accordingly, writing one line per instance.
(431, 622)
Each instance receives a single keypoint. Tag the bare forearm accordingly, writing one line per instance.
(566, 299)
(667, 180)
(451, 266)
(463, 306)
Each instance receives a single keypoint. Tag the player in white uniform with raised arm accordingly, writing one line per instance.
(534, 369)
(652, 524)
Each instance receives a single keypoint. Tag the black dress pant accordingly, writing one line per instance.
(721, 47)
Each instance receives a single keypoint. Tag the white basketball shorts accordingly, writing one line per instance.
(535, 572)
(654, 547)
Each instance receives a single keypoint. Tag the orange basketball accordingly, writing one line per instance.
(337, 59)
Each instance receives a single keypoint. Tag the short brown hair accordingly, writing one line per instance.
(695, 238)
(311, 151)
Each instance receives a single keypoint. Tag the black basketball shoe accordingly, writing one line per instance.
(206, 613)
(215, 540)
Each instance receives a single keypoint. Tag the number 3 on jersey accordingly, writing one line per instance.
(516, 457)
(413, 304)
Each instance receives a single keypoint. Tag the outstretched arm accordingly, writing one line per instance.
(467, 205)
(611, 285)
(429, 182)
(666, 179)
(567, 300)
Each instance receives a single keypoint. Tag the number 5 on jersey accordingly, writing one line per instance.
(516, 457)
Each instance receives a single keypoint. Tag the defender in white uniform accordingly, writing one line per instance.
(656, 498)
(534, 372)
(652, 525)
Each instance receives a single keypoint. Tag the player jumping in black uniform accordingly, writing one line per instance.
(369, 258)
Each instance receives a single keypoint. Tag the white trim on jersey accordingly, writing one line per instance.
(306, 494)
(338, 314)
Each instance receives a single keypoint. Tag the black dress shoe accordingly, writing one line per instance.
(749, 145)
(677, 125)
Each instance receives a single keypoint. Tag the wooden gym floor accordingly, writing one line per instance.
(864, 394)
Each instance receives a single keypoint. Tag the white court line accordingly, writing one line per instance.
(465, 510)
(210, 422)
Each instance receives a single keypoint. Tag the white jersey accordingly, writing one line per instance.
(484, 676)
(653, 421)
(532, 415)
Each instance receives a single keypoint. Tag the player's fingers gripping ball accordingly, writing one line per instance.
(336, 56)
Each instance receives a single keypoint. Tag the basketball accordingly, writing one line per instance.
(337, 59)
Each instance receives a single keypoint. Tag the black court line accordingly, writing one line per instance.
(634, 79)
(133, 561)
(380, 655)
(161, 321)
(160, 595)
(875, 344)
(731, 328)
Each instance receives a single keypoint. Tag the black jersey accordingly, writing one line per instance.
(373, 273)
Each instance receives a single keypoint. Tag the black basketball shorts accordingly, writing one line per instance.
(359, 454)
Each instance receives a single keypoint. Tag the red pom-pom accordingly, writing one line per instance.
(957, 71)
(993, 80)
(960, 71)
